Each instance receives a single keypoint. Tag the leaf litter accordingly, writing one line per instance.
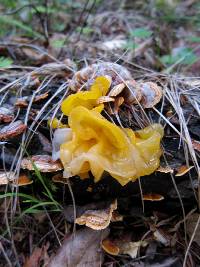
(81, 248)
(149, 220)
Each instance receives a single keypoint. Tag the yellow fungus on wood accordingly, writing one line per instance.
(55, 123)
(98, 145)
(87, 99)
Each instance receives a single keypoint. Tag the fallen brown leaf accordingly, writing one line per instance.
(34, 259)
(46, 144)
(6, 115)
(38, 258)
(19, 39)
(80, 249)
(23, 102)
(161, 237)
(97, 219)
(60, 69)
(190, 226)
(12, 130)
(43, 163)
(196, 145)
(112, 44)
(34, 55)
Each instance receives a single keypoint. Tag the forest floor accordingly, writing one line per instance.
(153, 221)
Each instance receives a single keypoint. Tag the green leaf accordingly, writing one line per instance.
(43, 9)
(141, 33)
(58, 43)
(9, 3)
(85, 30)
(58, 27)
(185, 55)
(75, 4)
(41, 204)
(193, 39)
(13, 22)
(35, 211)
(189, 59)
(167, 59)
(130, 45)
(5, 62)
(28, 197)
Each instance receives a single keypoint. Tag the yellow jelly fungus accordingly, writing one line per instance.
(98, 145)
(55, 123)
(89, 98)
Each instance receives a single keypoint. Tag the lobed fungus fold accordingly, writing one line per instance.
(89, 98)
(94, 144)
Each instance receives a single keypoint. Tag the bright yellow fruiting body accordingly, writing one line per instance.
(87, 99)
(55, 124)
(97, 145)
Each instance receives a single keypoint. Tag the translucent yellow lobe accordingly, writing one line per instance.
(98, 145)
(55, 123)
(87, 99)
